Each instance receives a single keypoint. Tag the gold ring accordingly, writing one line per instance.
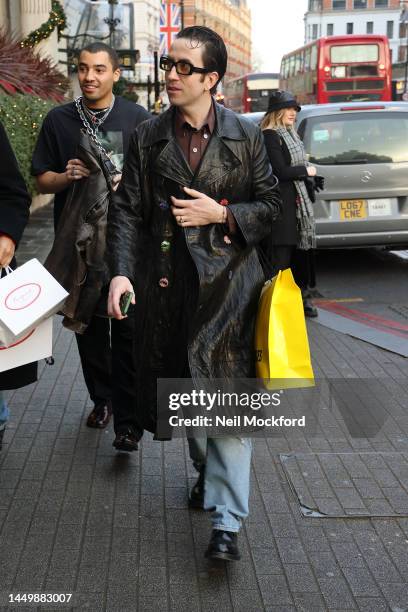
(181, 220)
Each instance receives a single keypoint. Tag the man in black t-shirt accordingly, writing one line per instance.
(55, 166)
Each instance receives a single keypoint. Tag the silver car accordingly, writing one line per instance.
(361, 149)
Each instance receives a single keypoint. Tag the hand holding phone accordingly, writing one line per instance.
(125, 301)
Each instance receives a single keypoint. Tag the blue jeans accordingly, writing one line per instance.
(227, 463)
(4, 411)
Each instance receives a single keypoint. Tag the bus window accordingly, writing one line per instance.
(291, 65)
(302, 61)
(307, 59)
(313, 57)
(297, 63)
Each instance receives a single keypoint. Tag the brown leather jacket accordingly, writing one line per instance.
(77, 257)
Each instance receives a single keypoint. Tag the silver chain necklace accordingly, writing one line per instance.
(97, 117)
(92, 133)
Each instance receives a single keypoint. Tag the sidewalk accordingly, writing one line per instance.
(115, 531)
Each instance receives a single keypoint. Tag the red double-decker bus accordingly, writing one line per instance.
(250, 92)
(339, 69)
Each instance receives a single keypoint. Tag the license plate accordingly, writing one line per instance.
(350, 210)
(379, 207)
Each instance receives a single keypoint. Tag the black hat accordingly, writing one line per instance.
(282, 99)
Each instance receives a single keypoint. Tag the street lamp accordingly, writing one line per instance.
(111, 21)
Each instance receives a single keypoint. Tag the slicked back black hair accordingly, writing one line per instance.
(215, 54)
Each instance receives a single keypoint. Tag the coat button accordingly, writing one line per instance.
(164, 282)
(230, 275)
(165, 246)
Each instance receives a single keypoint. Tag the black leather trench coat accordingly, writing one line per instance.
(77, 257)
(196, 295)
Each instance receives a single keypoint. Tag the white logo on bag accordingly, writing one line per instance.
(23, 296)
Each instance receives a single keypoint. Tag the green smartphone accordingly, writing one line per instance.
(125, 301)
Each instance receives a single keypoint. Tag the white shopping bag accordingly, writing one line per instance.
(35, 345)
(28, 296)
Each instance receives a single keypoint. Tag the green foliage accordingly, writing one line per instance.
(22, 116)
(126, 89)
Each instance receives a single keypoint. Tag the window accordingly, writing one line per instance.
(372, 137)
(370, 27)
(349, 29)
(313, 58)
(347, 54)
(339, 5)
(329, 31)
(381, 3)
(284, 68)
(307, 59)
(390, 29)
(291, 65)
(314, 31)
(360, 4)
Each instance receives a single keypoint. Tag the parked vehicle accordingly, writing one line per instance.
(339, 69)
(362, 152)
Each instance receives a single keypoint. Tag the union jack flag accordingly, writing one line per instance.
(170, 23)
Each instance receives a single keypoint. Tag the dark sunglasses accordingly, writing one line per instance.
(182, 67)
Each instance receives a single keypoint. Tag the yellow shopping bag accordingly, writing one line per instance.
(281, 343)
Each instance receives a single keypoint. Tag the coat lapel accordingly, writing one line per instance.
(172, 164)
(218, 161)
(219, 158)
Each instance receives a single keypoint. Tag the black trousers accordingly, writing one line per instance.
(301, 262)
(106, 350)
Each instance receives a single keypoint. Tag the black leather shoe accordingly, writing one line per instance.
(126, 441)
(309, 309)
(223, 545)
(196, 499)
(100, 415)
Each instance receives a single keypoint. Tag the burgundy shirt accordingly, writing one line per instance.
(194, 142)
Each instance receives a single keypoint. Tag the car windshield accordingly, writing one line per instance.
(357, 138)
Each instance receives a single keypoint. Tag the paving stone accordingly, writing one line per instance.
(274, 590)
(291, 550)
(336, 592)
(360, 582)
(300, 578)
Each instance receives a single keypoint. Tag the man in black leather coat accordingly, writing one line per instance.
(196, 198)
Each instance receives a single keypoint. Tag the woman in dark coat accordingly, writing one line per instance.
(14, 212)
(293, 235)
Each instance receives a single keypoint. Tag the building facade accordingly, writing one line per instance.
(232, 20)
(21, 17)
